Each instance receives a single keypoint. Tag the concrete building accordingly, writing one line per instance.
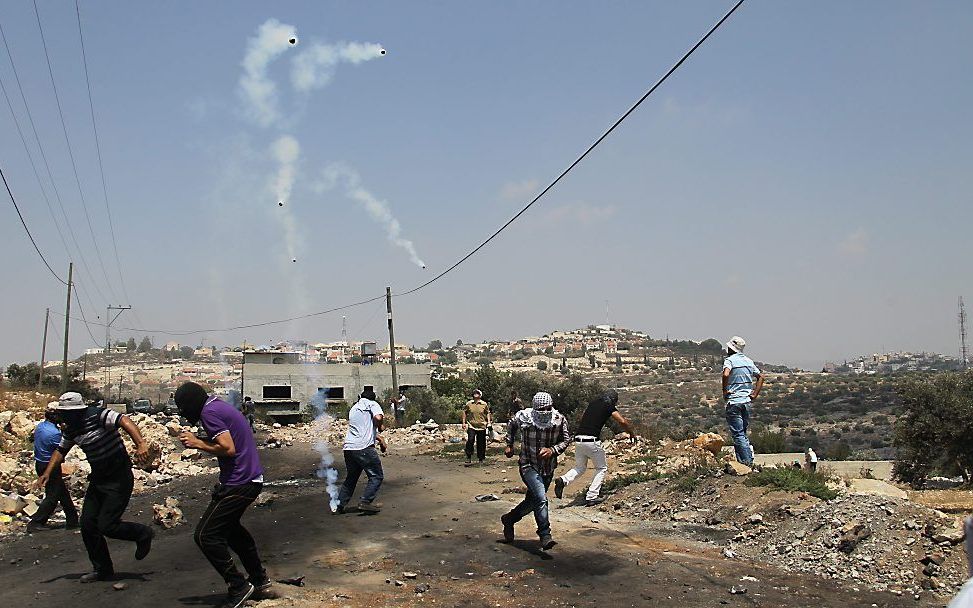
(281, 385)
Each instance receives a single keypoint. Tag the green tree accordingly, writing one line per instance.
(131, 345)
(935, 431)
(435, 345)
(186, 352)
(145, 345)
(542, 366)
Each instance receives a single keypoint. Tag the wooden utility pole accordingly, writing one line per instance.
(40, 377)
(67, 328)
(111, 320)
(395, 378)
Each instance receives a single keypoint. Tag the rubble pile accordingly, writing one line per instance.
(885, 543)
(168, 514)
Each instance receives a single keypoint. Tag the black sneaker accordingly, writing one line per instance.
(142, 547)
(559, 487)
(92, 577)
(594, 501)
(508, 529)
(547, 542)
(236, 597)
(261, 588)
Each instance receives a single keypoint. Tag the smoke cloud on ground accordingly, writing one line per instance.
(319, 432)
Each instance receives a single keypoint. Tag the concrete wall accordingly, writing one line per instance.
(305, 380)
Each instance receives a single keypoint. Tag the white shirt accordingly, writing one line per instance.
(361, 424)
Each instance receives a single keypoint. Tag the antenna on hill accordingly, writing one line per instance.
(962, 334)
(607, 317)
(344, 329)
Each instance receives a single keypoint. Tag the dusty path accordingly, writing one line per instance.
(431, 526)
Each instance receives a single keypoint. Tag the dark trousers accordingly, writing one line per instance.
(101, 516)
(220, 530)
(479, 437)
(356, 461)
(54, 492)
(535, 500)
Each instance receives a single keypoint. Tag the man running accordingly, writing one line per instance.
(477, 417)
(95, 431)
(742, 382)
(248, 411)
(46, 439)
(544, 435)
(364, 425)
(229, 438)
(587, 445)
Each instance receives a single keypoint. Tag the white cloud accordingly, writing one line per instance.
(855, 244)
(519, 191)
(581, 212)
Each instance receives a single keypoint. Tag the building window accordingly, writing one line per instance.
(277, 392)
(335, 392)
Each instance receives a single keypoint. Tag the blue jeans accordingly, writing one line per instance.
(535, 500)
(738, 419)
(356, 461)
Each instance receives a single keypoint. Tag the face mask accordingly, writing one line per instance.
(73, 420)
(543, 418)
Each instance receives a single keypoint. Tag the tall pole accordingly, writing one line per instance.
(395, 378)
(962, 334)
(67, 329)
(40, 377)
(111, 320)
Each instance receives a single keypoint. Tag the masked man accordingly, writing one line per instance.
(95, 430)
(544, 435)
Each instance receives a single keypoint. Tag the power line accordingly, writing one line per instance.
(101, 166)
(47, 166)
(475, 250)
(24, 222)
(74, 165)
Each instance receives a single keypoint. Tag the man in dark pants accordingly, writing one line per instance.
(477, 418)
(544, 435)
(248, 410)
(46, 439)
(364, 425)
(230, 439)
(110, 483)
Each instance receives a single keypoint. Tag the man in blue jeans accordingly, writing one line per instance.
(364, 425)
(742, 382)
(544, 436)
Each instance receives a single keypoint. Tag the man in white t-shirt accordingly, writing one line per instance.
(364, 424)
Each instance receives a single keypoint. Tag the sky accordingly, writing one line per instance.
(803, 180)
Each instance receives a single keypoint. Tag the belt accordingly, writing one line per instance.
(585, 438)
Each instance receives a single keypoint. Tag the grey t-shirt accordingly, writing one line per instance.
(361, 424)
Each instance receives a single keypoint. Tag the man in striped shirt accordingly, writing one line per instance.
(95, 431)
(544, 436)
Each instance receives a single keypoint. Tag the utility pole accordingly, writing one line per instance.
(962, 334)
(395, 379)
(67, 328)
(40, 377)
(111, 320)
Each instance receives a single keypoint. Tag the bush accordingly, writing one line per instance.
(767, 442)
(935, 430)
(793, 480)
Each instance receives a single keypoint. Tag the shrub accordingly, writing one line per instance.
(765, 441)
(793, 480)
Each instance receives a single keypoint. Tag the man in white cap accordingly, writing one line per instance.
(742, 382)
(543, 436)
(110, 483)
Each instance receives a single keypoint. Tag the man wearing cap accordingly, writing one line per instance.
(544, 435)
(742, 382)
(587, 445)
(476, 418)
(364, 425)
(95, 431)
(229, 438)
(46, 439)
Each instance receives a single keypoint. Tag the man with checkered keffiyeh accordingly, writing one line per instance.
(544, 436)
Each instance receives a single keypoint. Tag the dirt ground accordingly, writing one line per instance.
(431, 526)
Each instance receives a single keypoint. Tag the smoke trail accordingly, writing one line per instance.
(286, 151)
(319, 430)
(259, 93)
(339, 173)
(314, 68)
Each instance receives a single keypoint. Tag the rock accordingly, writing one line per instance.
(945, 534)
(20, 425)
(733, 467)
(410, 575)
(174, 429)
(852, 533)
(68, 469)
(422, 588)
(190, 454)
(120, 586)
(265, 499)
(933, 558)
(738, 590)
(756, 518)
(710, 442)
(168, 514)
(684, 516)
(12, 504)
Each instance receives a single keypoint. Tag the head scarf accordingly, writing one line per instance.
(542, 411)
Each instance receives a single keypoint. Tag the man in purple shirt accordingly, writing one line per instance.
(229, 438)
